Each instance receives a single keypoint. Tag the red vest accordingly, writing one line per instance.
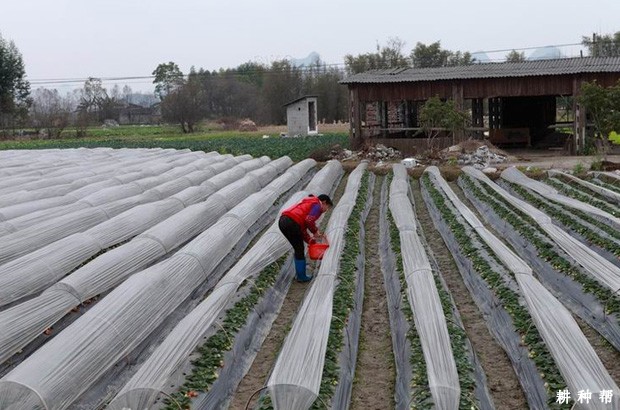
(300, 211)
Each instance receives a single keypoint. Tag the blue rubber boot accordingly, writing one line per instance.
(300, 270)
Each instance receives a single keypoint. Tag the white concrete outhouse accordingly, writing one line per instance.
(301, 116)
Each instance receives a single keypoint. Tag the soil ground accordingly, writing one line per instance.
(550, 159)
(374, 381)
(375, 373)
(261, 367)
(503, 384)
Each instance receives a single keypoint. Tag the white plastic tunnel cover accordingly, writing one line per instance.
(145, 386)
(65, 367)
(576, 359)
(599, 268)
(429, 317)
(23, 322)
(296, 377)
(515, 176)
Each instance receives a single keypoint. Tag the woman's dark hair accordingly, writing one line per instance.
(326, 199)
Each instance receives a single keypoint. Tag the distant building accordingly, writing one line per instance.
(301, 115)
(133, 114)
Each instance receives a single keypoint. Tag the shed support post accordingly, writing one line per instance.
(477, 115)
(457, 96)
(355, 125)
(579, 127)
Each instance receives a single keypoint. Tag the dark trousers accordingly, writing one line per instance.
(292, 232)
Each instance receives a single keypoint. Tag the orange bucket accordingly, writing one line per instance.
(317, 249)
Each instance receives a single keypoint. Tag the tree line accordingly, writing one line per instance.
(252, 90)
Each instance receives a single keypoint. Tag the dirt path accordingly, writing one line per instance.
(375, 374)
(608, 355)
(257, 376)
(503, 384)
(263, 363)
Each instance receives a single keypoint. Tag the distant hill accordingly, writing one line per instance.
(481, 57)
(312, 59)
(546, 53)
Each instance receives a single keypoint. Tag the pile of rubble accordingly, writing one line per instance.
(247, 125)
(373, 153)
(471, 152)
(476, 154)
(481, 158)
(110, 124)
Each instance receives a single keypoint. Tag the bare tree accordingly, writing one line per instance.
(96, 103)
(127, 94)
(388, 56)
(185, 103)
(50, 112)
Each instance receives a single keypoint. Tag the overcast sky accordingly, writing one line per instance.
(62, 39)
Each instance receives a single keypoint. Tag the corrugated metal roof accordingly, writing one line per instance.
(490, 70)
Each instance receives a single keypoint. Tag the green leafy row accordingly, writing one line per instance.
(343, 303)
(206, 366)
(543, 244)
(344, 298)
(458, 339)
(567, 217)
(605, 185)
(573, 190)
(521, 318)
(296, 148)
(421, 394)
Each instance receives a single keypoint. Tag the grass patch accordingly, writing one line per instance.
(224, 142)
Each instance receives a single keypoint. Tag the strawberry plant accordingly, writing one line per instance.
(206, 366)
(469, 244)
(574, 190)
(604, 184)
(567, 217)
(543, 244)
(344, 297)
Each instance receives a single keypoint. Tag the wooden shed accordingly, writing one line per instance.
(301, 116)
(520, 104)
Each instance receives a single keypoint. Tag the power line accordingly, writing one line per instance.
(232, 71)
(528, 48)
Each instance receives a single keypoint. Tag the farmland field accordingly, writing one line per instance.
(156, 277)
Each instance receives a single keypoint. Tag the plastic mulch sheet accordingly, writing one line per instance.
(67, 365)
(602, 270)
(570, 292)
(152, 377)
(577, 361)
(296, 376)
